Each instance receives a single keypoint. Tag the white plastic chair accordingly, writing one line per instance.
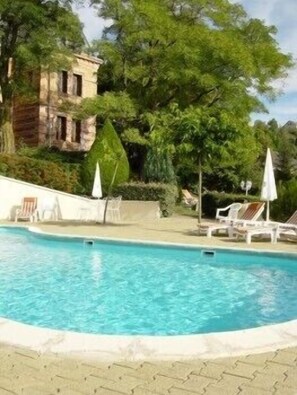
(49, 207)
(231, 212)
(113, 208)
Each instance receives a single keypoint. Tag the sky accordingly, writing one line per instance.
(282, 14)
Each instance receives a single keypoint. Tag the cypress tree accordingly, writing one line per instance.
(108, 151)
(158, 167)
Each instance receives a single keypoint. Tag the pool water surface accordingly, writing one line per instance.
(127, 289)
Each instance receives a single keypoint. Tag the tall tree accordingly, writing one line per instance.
(194, 136)
(266, 137)
(273, 125)
(33, 34)
(203, 54)
(192, 52)
(239, 161)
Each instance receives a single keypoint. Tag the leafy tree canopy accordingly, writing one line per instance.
(189, 55)
(192, 52)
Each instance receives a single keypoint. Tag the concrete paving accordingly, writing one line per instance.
(28, 372)
(175, 229)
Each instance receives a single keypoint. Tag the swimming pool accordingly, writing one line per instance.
(118, 288)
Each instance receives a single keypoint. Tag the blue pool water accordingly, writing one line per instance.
(115, 288)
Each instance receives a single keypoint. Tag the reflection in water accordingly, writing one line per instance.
(268, 293)
(96, 264)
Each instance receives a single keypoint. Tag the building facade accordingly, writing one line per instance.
(43, 122)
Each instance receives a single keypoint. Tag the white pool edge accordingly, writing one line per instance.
(113, 347)
(35, 229)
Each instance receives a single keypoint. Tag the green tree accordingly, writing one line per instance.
(266, 135)
(116, 106)
(194, 136)
(237, 162)
(34, 34)
(201, 135)
(189, 52)
(107, 149)
(273, 125)
(197, 54)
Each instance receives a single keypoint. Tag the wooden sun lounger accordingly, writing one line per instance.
(250, 215)
(28, 210)
(189, 199)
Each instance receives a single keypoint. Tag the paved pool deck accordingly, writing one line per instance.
(24, 371)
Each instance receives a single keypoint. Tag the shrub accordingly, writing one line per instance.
(166, 194)
(213, 200)
(40, 172)
(52, 154)
(285, 205)
(107, 149)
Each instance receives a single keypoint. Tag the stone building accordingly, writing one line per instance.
(43, 123)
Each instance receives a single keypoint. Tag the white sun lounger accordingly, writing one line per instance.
(249, 232)
(209, 229)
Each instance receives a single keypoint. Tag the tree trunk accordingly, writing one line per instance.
(7, 141)
(110, 190)
(200, 191)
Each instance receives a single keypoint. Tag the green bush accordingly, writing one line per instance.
(166, 194)
(40, 172)
(286, 203)
(107, 149)
(213, 200)
(52, 154)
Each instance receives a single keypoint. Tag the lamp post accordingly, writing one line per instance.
(246, 186)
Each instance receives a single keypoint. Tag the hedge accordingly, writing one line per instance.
(213, 200)
(63, 177)
(166, 194)
(51, 154)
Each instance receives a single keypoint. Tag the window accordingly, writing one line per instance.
(63, 82)
(76, 131)
(77, 85)
(61, 128)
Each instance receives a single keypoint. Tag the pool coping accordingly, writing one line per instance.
(136, 347)
(39, 231)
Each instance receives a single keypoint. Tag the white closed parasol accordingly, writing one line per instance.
(268, 192)
(97, 189)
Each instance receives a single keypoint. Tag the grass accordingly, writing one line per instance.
(181, 209)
